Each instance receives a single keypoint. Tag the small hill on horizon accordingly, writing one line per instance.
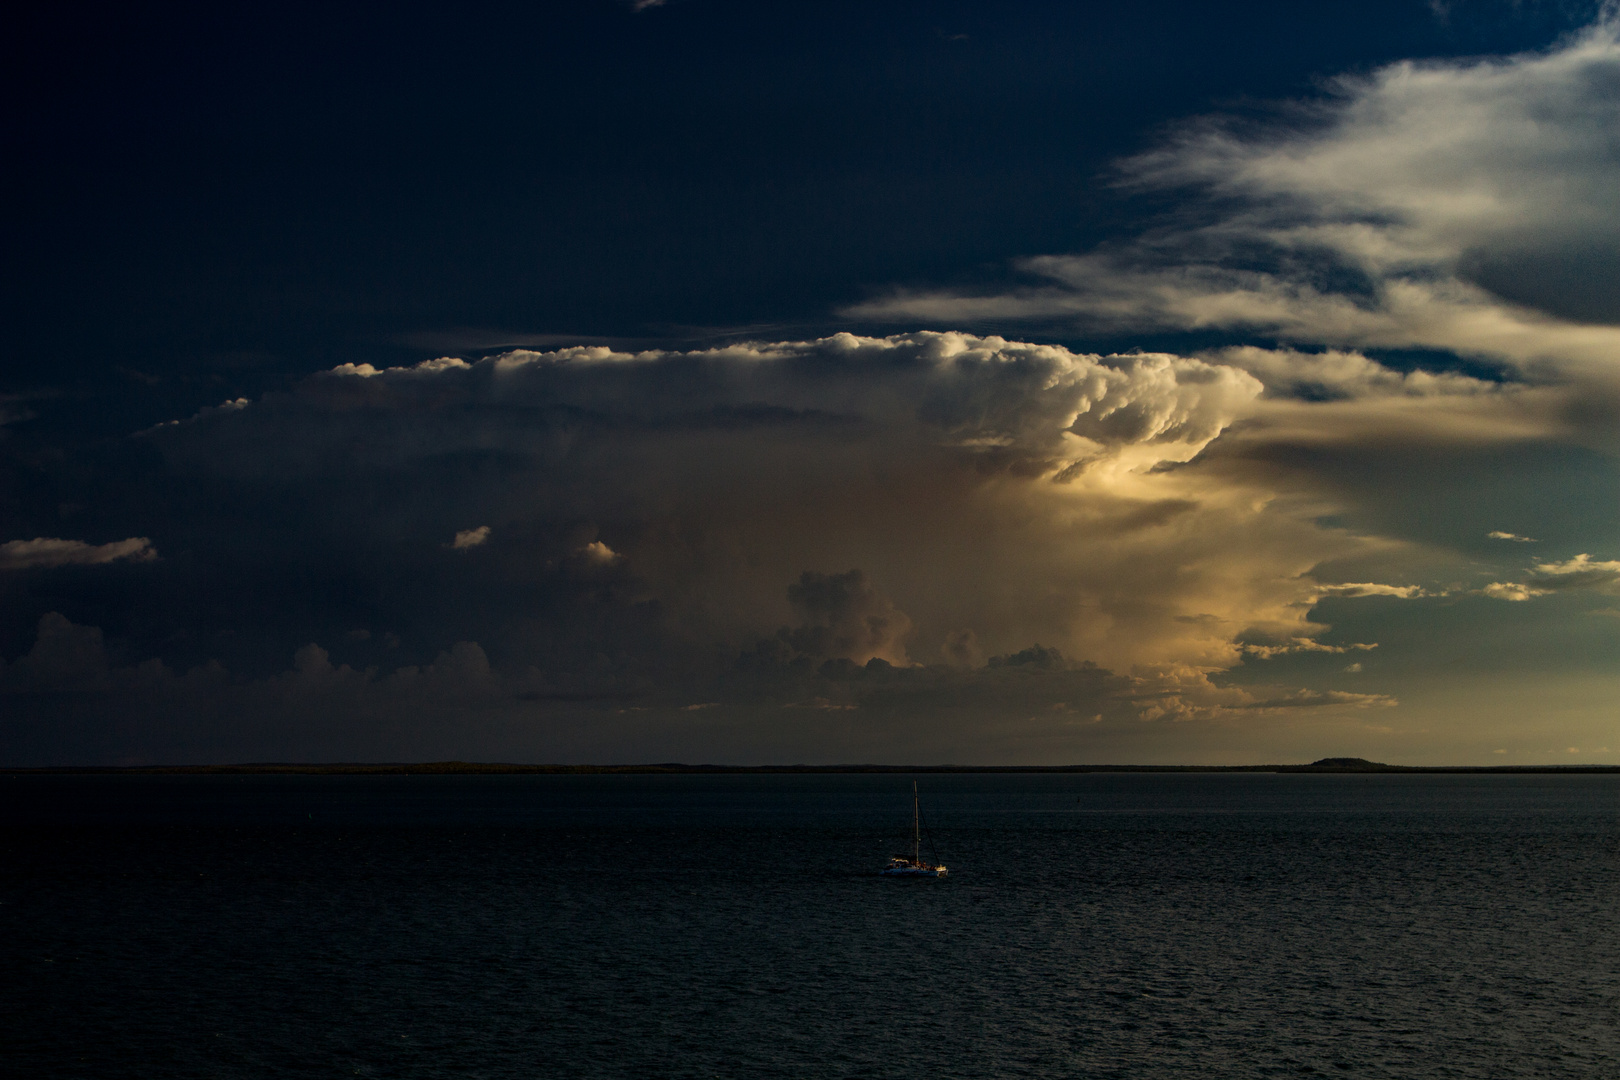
(1349, 764)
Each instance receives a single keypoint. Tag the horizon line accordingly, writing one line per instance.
(455, 767)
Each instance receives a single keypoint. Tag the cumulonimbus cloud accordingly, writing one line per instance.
(932, 536)
(1008, 405)
(989, 494)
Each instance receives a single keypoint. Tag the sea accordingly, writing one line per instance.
(617, 926)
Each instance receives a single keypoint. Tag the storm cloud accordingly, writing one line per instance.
(783, 533)
(1315, 401)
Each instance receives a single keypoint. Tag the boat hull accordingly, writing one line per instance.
(914, 871)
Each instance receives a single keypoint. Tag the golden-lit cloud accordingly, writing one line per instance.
(850, 546)
(470, 538)
(50, 551)
(1016, 492)
(1582, 573)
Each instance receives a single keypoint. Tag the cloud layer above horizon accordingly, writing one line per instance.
(943, 545)
(930, 543)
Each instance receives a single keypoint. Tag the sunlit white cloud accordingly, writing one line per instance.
(1304, 644)
(598, 554)
(1368, 588)
(1466, 206)
(1509, 590)
(1582, 573)
(1338, 375)
(233, 405)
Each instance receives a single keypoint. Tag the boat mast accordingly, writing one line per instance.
(916, 828)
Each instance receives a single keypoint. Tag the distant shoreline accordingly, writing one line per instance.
(473, 768)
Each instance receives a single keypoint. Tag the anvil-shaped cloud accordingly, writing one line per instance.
(908, 528)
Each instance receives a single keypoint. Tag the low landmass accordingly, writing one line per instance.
(436, 768)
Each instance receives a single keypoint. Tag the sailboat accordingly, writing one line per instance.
(899, 866)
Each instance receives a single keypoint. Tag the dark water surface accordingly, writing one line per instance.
(733, 926)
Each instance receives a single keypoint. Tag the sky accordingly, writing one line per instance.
(902, 382)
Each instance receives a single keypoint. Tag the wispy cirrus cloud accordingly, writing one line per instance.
(1466, 206)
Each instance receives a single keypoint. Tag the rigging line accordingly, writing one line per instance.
(933, 852)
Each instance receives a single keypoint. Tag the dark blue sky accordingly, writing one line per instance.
(226, 196)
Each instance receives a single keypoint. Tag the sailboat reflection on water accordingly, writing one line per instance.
(899, 866)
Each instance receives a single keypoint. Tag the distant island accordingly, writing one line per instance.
(442, 768)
